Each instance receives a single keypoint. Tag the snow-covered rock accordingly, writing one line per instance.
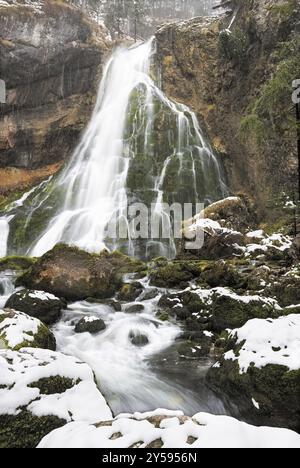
(44, 390)
(167, 429)
(262, 370)
(44, 306)
(18, 330)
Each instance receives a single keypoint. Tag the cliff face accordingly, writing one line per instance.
(240, 84)
(51, 58)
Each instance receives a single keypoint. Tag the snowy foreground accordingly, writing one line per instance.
(90, 423)
(201, 431)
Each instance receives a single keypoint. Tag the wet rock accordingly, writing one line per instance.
(90, 324)
(259, 376)
(222, 274)
(16, 263)
(130, 291)
(149, 294)
(174, 274)
(135, 309)
(43, 306)
(74, 274)
(138, 339)
(111, 303)
(217, 309)
(18, 330)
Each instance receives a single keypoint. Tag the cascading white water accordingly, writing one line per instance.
(4, 232)
(76, 207)
(124, 372)
(95, 179)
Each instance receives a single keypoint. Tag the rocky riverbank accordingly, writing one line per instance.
(239, 313)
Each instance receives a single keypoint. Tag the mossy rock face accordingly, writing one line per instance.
(286, 290)
(275, 388)
(230, 312)
(26, 430)
(38, 304)
(216, 310)
(221, 274)
(235, 213)
(16, 263)
(74, 274)
(18, 330)
(130, 291)
(174, 274)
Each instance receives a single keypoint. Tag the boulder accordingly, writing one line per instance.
(149, 294)
(74, 274)
(234, 213)
(41, 391)
(175, 274)
(259, 375)
(90, 324)
(16, 263)
(18, 330)
(130, 291)
(222, 274)
(135, 309)
(44, 306)
(217, 309)
(138, 339)
(286, 289)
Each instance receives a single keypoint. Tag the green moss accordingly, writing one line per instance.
(234, 46)
(269, 113)
(173, 274)
(26, 430)
(16, 263)
(284, 10)
(54, 385)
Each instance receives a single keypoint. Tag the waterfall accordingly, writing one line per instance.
(138, 147)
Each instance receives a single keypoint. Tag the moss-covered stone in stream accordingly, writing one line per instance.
(16, 263)
(276, 389)
(26, 430)
(175, 274)
(74, 274)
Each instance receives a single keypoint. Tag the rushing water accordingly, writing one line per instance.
(139, 147)
(137, 378)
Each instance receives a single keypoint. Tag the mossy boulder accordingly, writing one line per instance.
(217, 309)
(16, 263)
(175, 274)
(286, 290)
(74, 274)
(222, 274)
(130, 291)
(43, 306)
(233, 311)
(234, 213)
(90, 324)
(18, 330)
(259, 376)
(40, 392)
